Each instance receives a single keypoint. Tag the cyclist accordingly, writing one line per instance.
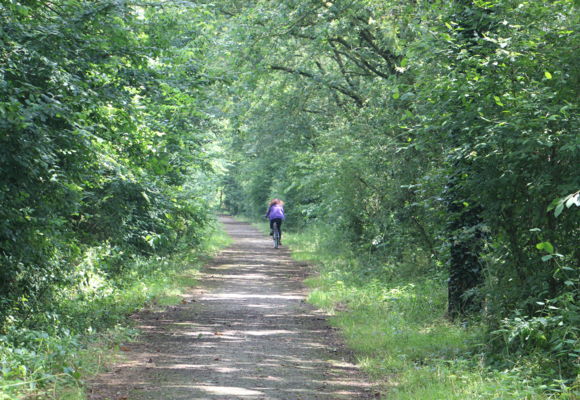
(276, 214)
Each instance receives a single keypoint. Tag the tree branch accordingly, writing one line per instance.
(360, 62)
(347, 92)
(338, 59)
(386, 55)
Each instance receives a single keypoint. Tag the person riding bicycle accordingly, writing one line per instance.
(276, 214)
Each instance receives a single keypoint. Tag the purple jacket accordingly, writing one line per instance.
(275, 211)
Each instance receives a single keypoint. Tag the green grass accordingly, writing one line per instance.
(399, 332)
(82, 333)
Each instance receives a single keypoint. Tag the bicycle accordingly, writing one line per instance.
(276, 234)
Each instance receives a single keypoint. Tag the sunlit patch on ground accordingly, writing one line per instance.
(248, 334)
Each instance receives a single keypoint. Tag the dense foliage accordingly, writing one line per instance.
(100, 140)
(106, 173)
(442, 134)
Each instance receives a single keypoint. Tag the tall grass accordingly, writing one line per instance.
(50, 358)
(393, 317)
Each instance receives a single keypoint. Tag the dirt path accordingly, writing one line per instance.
(246, 333)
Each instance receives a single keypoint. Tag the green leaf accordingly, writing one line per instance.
(553, 204)
(23, 10)
(498, 101)
(146, 197)
(559, 209)
(574, 199)
(547, 75)
(546, 246)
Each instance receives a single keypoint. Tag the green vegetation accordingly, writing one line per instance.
(436, 143)
(397, 326)
(106, 175)
(88, 325)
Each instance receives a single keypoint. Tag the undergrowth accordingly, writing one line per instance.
(394, 318)
(51, 355)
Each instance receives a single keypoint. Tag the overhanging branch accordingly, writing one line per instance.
(347, 92)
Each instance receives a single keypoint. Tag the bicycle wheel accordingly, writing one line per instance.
(276, 235)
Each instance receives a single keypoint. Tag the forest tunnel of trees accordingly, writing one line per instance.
(442, 134)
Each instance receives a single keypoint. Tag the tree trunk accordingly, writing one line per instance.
(465, 268)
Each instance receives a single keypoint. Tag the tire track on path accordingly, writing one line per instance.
(244, 333)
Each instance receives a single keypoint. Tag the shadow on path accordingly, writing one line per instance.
(246, 333)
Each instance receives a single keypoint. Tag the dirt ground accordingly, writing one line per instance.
(244, 333)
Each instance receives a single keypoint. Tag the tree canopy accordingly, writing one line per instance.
(443, 134)
(426, 132)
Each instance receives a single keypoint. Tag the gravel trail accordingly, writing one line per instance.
(244, 333)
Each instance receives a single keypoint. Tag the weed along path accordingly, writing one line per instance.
(244, 333)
